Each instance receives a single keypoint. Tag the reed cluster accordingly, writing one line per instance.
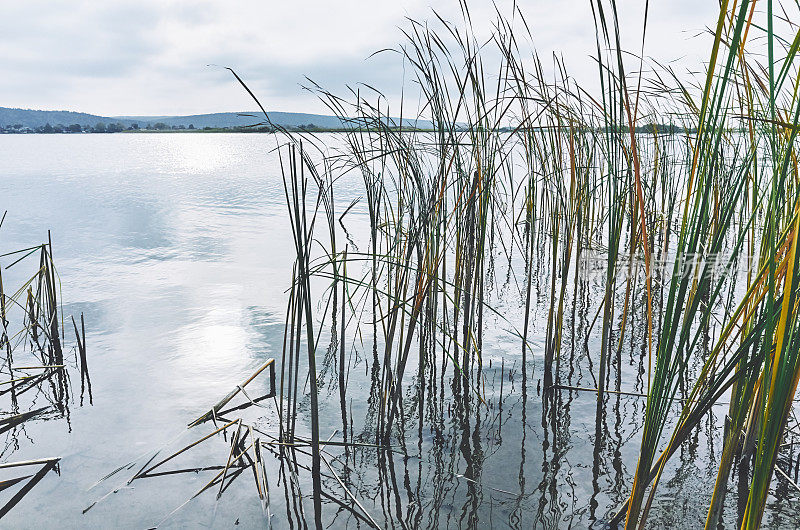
(642, 235)
(34, 368)
(526, 178)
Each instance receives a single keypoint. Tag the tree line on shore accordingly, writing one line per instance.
(99, 127)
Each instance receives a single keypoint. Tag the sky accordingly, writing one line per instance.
(166, 57)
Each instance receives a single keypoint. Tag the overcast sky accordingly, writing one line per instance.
(150, 57)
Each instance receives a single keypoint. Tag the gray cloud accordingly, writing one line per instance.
(150, 56)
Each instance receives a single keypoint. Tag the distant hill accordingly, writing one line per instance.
(241, 119)
(38, 118)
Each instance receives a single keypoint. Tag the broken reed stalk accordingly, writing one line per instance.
(47, 465)
(80, 338)
(212, 413)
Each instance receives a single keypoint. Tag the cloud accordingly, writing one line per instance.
(151, 56)
(56, 40)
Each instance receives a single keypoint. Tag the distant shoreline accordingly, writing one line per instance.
(202, 131)
(314, 130)
(15, 120)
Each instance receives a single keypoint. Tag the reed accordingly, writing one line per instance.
(529, 174)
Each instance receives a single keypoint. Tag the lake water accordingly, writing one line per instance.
(177, 249)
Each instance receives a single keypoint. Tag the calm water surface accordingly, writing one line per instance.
(177, 250)
(174, 247)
